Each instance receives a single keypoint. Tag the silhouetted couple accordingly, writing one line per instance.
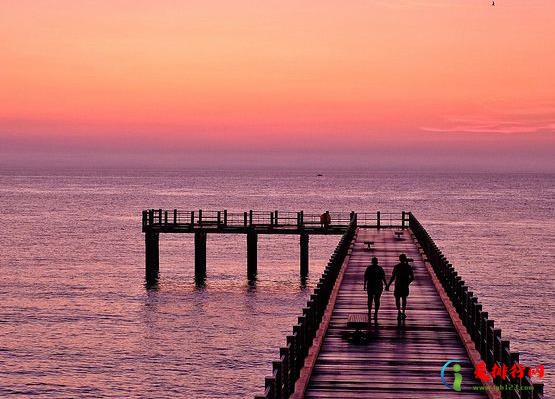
(374, 276)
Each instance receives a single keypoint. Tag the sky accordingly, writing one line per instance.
(401, 84)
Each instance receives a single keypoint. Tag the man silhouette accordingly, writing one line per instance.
(374, 276)
(403, 276)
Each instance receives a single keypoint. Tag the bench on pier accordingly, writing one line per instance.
(398, 234)
(369, 245)
(358, 321)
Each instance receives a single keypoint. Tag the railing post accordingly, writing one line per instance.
(378, 221)
(490, 326)
(151, 216)
(245, 219)
(175, 216)
(284, 357)
(225, 217)
(270, 382)
(403, 219)
(477, 324)
(276, 371)
(219, 217)
(193, 218)
(292, 355)
(145, 219)
(160, 216)
(276, 217)
(165, 217)
(538, 391)
(200, 217)
(250, 217)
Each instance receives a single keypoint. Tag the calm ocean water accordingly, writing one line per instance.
(77, 321)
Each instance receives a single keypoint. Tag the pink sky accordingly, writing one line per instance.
(326, 76)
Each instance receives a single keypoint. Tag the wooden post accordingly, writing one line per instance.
(225, 217)
(276, 371)
(250, 217)
(403, 219)
(538, 390)
(145, 219)
(200, 217)
(276, 217)
(245, 217)
(192, 218)
(378, 219)
(219, 218)
(252, 241)
(284, 357)
(175, 216)
(165, 217)
(159, 216)
(152, 256)
(200, 255)
(304, 254)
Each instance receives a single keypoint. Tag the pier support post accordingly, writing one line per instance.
(304, 254)
(252, 256)
(200, 255)
(152, 256)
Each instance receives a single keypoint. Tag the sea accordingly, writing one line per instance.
(78, 321)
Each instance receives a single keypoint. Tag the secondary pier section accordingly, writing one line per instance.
(251, 224)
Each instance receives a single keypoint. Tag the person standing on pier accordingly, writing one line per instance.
(325, 220)
(403, 276)
(374, 276)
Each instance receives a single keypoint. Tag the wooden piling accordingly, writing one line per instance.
(304, 239)
(152, 256)
(200, 255)
(252, 256)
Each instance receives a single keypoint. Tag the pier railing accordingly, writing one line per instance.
(183, 219)
(286, 370)
(487, 339)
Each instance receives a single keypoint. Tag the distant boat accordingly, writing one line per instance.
(319, 174)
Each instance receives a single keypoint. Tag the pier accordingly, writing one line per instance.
(251, 224)
(332, 352)
(326, 357)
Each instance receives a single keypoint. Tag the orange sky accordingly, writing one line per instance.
(276, 74)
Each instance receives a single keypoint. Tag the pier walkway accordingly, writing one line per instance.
(396, 359)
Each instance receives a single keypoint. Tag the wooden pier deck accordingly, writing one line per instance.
(395, 360)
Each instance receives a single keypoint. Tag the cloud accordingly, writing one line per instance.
(521, 121)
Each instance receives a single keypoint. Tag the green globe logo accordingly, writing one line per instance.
(457, 381)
